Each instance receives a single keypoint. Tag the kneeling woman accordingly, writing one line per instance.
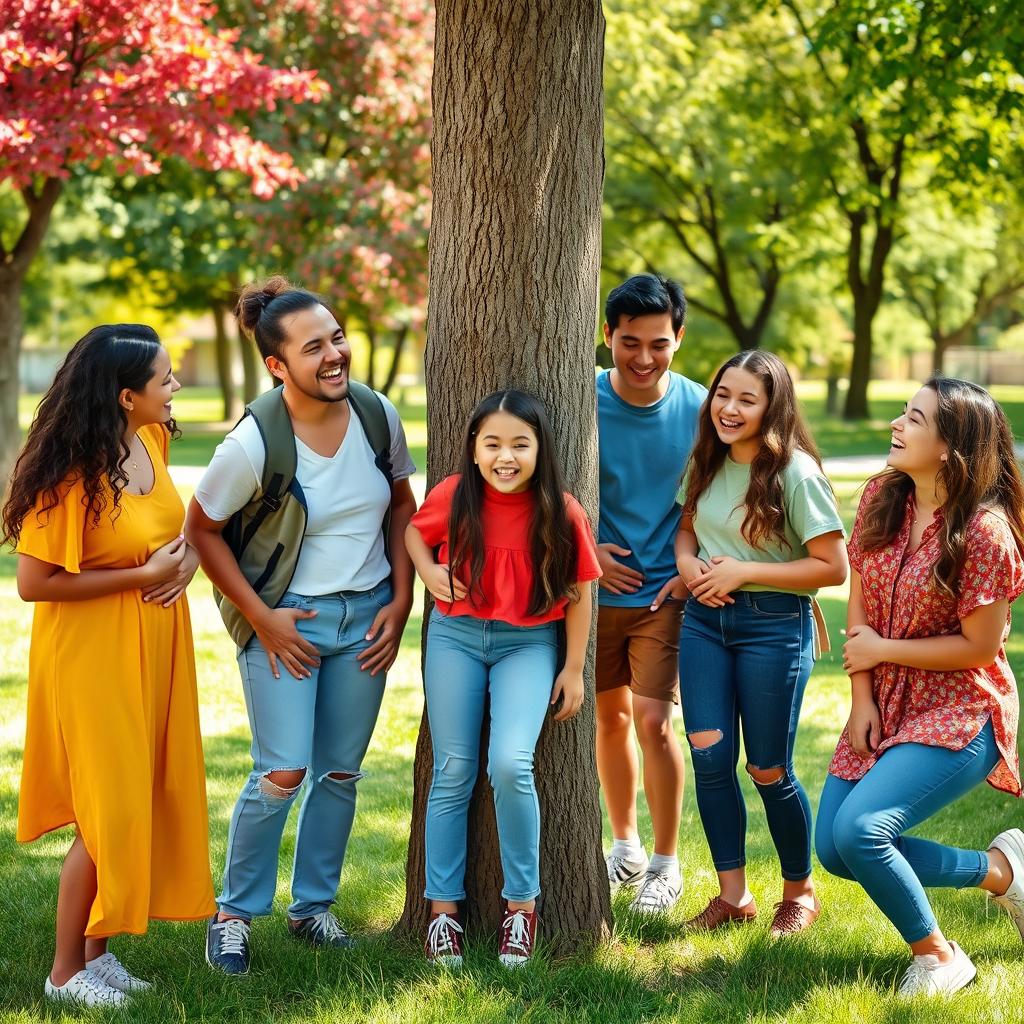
(936, 550)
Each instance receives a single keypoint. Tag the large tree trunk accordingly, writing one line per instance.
(514, 258)
(222, 350)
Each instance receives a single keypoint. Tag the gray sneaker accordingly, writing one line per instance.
(1011, 845)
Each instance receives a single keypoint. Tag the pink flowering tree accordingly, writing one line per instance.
(119, 85)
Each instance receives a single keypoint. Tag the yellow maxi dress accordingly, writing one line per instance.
(112, 741)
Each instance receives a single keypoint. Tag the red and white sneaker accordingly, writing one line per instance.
(518, 935)
(442, 946)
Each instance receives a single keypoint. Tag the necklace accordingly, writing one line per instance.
(131, 457)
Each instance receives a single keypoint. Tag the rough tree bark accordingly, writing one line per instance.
(514, 259)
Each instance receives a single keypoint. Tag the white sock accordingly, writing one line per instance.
(663, 864)
(631, 849)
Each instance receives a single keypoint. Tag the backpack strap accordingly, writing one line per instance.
(275, 427)
(370, 410)
(372, 415)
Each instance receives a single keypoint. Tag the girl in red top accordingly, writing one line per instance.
(506, 554)
(936, 553)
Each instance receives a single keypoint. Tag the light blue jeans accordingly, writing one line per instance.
(467, 661)
(322, 725)
(861, 825)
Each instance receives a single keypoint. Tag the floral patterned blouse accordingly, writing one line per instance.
(902, 601)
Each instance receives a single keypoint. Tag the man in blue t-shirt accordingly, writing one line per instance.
(647, 421)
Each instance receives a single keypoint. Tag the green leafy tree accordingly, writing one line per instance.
(702, 168)
(922, 91)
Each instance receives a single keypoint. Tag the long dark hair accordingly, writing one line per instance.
(552, 542)
(78, 429)
(783, 432)
(980, 471)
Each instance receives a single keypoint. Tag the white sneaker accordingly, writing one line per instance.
(112, 972)
(85, 989)
(658, 892)
(624, 870)
(927, 977)
(1011, 844)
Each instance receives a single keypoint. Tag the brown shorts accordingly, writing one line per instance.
(639, 648)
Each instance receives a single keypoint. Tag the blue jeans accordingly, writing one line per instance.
(321, 725)
(467, 661)
(748, 663)
(861, 825)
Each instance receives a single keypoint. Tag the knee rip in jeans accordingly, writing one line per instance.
(766, 776)
(342, 775)
(281, 784)
(703, 739)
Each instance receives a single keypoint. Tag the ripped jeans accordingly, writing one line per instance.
(748, 663)
(468, 661)
(320, 726)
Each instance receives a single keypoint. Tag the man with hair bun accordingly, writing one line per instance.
(299, 521)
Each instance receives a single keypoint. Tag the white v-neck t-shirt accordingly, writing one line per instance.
(346, 499)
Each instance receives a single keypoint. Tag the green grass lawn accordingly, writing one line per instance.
(842, 970)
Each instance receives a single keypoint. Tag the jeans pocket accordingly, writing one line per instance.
(289, 599)
(773, 605)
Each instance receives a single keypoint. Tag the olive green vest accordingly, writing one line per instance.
(266, 535)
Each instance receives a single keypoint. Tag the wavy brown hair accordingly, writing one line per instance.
(552, 541)
(783, 432)
(78, 429)
(980, 471)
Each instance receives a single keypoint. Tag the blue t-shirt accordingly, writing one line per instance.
(643, 452)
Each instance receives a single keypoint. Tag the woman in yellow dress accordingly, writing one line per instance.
(112, 743)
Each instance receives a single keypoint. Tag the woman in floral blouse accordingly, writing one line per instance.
(937, 558)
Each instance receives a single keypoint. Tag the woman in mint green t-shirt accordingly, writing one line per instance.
(759, 534)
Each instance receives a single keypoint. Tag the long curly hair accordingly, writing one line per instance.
(783, 432)
(980, 471)
(78, 429)
(552, 541)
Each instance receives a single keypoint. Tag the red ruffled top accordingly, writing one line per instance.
(507, 579)
(902, 601)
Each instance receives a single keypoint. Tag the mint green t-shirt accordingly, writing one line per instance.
(810, 512)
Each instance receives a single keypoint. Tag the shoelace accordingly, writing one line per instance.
(109, 968)
(328, 927)
(440, 934)
(96, 986)
(234, 936)
(789, 916)
(658, 891)
(518, 932)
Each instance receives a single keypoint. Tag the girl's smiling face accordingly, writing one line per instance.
(505, 451)
(916, 445)
(738, 406)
